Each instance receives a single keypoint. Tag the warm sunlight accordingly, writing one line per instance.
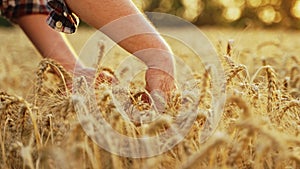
(192, 9)
(232, 13)
(232, 9)
(296, 9)
(254, 3)
(267, 14)
(151, 84)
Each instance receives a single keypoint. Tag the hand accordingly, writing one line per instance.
(160, 85)
(158, 80)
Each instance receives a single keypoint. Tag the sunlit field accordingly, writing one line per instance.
(259, 127)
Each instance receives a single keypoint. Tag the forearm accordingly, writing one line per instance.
(48, 42)
(126, 20)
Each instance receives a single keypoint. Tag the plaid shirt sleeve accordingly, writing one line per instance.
(14, 9)
(61, 18)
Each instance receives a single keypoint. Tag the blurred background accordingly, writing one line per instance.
(238, 13)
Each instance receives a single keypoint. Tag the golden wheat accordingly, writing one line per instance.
(259, 127)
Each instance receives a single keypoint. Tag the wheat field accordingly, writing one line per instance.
(259, 127)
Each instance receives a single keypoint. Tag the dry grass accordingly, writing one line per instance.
(259, 128)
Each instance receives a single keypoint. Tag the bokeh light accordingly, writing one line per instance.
(296, 9)
(254, 3)
(232, 9)
(267, 14)
(191, 12)
(258, 12)
(232, 3)
(232, 13)
(165, 5)
(275, 2)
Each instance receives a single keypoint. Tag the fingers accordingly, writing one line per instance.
(160, 82)
(160, 85)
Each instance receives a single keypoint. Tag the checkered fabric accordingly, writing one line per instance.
(13, 9)
(61, 17)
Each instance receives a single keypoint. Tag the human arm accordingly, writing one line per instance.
(52, 44)
(100, 13)
(48, 42)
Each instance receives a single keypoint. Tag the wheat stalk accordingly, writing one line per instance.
(58, 68)
(295, 70)
(272, 88)
(230, 47)
(295, 81)
(193, 161)
(234, 72)
(294, 58)
(247, 137)
(17, 110)
(289, 105)
(266, 44)
(241, 104)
